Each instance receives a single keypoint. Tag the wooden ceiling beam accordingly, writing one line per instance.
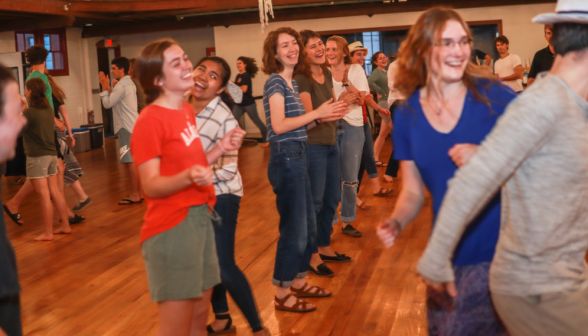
(37, 23)
(48, 7)
(291, 15)
(134, 6)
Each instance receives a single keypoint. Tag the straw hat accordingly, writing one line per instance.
(355, 46)
(575, 11)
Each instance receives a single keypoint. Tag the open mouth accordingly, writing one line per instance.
(199, 86)
(187, 76)
(455, 64)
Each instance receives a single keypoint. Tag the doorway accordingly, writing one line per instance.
(105, 55)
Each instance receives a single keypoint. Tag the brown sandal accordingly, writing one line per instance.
(307, 291)
(383, 192)
(299, 307)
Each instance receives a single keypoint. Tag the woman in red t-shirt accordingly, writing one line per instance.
(177, 236)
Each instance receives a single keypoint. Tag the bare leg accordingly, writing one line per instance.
(79, 191)
(200, 315)
(135, 195)
(61, 183)
(14, 203)
(41, 186)
(327, 250)
(175, 317)
(315, 260)
(379, 143)
(59, 204)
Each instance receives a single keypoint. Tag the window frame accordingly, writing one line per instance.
(39, 41)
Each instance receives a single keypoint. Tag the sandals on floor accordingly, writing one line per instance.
(127, 201)
(307, 291)
(300, 306)
(77, 219)
(383, 192)
(381, 164)
(15, 217)
(228, 329)
(362, 206)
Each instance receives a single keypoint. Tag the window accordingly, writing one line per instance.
(54, 41)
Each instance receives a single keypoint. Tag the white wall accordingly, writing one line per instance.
(246, 40)
(76, 85)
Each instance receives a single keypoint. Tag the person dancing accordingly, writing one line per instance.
(248, 70)
(177, 237)
(452, 106)
(288, 168)
(212, 105)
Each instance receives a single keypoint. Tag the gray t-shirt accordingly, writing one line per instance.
(538, 153)
(323, 134)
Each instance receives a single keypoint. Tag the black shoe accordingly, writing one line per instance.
(82, 205)
(228, 329)
(351, 231)
(338, 258)
(322, 270)
(77, 219)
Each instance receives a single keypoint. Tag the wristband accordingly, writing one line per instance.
(222, 148)
(347, 84)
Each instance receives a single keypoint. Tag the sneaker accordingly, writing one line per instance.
(322, 270)
(351, 231)
(82, 205)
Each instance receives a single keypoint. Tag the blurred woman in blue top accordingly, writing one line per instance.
(452, 106)
(287, 170)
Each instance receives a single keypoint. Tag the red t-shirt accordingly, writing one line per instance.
(172, 136)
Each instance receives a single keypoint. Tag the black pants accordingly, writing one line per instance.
(10, 315)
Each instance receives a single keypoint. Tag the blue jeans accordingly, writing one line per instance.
(288, 174)
(351, 146)
(233, 279)
(368, 162)
(325, 180)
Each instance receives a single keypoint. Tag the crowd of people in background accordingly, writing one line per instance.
(496, 264)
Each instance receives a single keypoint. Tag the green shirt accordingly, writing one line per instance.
(378, 81)
(38, 134)
(323, 134)
(48, 91)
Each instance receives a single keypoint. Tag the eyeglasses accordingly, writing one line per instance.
(450, 44)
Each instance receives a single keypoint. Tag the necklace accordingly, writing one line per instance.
(439, 108)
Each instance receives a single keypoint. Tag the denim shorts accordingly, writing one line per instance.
(182, 262)
(41, 166)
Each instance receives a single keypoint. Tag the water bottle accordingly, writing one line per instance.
(525, 78)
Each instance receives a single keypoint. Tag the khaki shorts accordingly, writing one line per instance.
(41, 166)
(182, 262)
(124, 146)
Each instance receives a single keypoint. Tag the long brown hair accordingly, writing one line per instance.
(37, 98)
(150, 67)
(270, 47)
(306, 70)
(55, 89)
(412, 71)
(342, 47)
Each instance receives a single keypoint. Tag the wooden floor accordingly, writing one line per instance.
(93, 282)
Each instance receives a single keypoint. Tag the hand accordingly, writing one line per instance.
(71, 140)
(384, 112)
(440, 287)
(23, 102)
(114, 81)
(201, 175)
(2, 333)
(345, 75)
(330, 110)
(104, 81)
(349, 98)
(388, 231)
(368, 97)
(233, 139)
(60, 125)
(461, 154)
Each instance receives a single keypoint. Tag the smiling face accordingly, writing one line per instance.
(117, 73)
(449, 58)
(381, 61)
(287, 50)
(240, 66)
(11, 121)
(207, 81)
(315, 50)
(334, 55)
(358, 57)
(177, 71)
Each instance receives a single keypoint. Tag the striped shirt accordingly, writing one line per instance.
(213, 123)
(276, 84)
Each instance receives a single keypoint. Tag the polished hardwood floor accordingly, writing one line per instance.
(93, 282)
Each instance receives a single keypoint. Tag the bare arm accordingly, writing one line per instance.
(531, 80)
(282, 125)
(517, 75)
(70, 136)
(488, 59)
(157, 186)
(230, 142)
(244, 88)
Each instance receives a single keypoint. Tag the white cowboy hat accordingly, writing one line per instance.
(575, 11)
(355, 46)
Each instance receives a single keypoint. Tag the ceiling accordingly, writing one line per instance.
(117, 17)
